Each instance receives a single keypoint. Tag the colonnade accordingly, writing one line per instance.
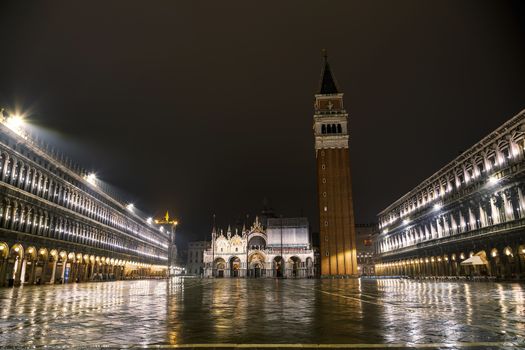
(21, 264)
(66, 192)
(235, 267)
(501, 149)
(505, 262)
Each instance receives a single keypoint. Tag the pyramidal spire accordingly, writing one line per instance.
(327, 84)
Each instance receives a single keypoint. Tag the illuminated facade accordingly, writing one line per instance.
(336, 211)
(281, 249)
(195, 257)
(57, 225)
(474, 205)
(365, 235)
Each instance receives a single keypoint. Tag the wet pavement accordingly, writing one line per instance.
(351, 313)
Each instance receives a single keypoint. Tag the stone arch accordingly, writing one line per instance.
(219, 266)
(256, 264)
(294, 265)
(278, 266)
(4, 158)
(43, 253)
(4, 250)
(54, 254)
(31, 253)
(235, 265)
(257, 241)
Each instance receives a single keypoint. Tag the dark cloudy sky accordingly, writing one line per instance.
(206, 107)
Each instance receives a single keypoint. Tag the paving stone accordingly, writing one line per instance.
(265, 311)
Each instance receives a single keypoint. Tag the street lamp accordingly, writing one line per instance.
(169, 226)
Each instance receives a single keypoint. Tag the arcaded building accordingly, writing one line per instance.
(282, 248)
(58, 225)
(365, 236)
(474, 205)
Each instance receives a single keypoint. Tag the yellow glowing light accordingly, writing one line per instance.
(1, 247)
(92, 178)
(493, 180)
(30, 250)
(15, 121)
(17, 249)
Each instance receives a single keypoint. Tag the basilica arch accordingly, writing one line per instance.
(235, 266)
(257, 264)
(219, 266)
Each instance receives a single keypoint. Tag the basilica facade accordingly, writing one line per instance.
(281, 247)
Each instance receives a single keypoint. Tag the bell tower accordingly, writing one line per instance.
(334, 185)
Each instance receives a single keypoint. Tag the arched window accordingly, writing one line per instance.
(323, 129)
(329, 129)
(339, 129)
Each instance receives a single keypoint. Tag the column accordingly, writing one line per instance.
(53, 271)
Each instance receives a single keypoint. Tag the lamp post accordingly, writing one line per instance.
(213, 233)
(282, 258)
(170, 226)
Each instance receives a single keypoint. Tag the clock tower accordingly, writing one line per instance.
(334, 185)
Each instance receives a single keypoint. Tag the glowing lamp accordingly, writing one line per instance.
(493, 180)
(15, 121)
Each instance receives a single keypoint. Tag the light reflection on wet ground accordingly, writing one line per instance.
(188, 311)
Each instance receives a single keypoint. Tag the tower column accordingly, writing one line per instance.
(336, 214)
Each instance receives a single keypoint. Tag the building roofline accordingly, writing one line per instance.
(463, 156)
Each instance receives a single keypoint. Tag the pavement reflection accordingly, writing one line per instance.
(264, 311)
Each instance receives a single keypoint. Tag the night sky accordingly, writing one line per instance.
(206, 107)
